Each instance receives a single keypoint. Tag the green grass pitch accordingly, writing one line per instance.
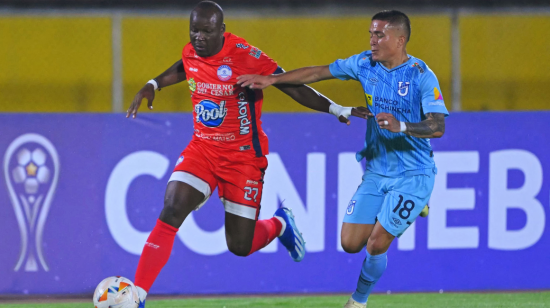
(430, 300)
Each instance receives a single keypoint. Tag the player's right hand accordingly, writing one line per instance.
(258, 82)
(148, 92)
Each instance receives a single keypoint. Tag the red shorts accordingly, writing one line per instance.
(239, 178)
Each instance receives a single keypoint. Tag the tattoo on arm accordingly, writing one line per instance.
(432, 127)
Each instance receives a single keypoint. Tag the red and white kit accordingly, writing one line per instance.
(229, 146)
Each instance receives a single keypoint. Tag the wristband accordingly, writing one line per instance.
(335, 109)
(154, 83)
(403, 127)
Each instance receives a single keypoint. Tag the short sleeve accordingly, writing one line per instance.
(432, 99)
(261, 62)
(346, 69)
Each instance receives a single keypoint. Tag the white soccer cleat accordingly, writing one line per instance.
(353, 304)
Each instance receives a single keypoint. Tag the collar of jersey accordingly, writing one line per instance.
(397, 67)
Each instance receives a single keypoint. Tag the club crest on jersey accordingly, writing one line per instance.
(351, 207)
(224, 73)
(209, 113)
(192, 84)
(403, 88)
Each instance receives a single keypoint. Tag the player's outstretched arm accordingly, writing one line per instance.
(312, 99)
(432, 127)
(174, 74)
(304, 75)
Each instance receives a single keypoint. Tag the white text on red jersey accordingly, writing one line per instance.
(215, 89)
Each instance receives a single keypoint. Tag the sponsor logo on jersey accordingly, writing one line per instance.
(193, 69)
(351, 207)
(373, 80)
(389, 105)
(215, 89)
(251, 182)
(244, 147)
(220, 137)
(255, 52)
(242, 46)
(437, 94)
(192, 84)
(243, 117)
(403, 88)
(224, 73)
(209, 113)
(369, 99)
(418, 67)
(227, 60)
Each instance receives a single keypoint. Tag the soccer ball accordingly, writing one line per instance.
(116, 292)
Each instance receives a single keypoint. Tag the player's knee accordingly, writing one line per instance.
(239, 249)
(173, 211)
(350, 242)
(376, 246)
(351, 247)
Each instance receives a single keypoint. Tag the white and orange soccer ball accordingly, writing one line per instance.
(116, 292)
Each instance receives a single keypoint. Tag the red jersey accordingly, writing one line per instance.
(225, 114)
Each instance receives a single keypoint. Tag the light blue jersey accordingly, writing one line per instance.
(408, 91)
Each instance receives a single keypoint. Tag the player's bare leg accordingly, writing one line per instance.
(379, 241)
(239, 234)
(179, 200)
(374, 265)
(245, 236)
(354, 237)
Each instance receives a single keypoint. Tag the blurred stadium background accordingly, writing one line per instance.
(93, 56)
(85, 57)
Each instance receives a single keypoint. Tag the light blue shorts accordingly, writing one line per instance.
(393, 201)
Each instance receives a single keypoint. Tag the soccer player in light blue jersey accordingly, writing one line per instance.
(404, 96)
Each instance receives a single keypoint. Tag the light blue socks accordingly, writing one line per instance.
(373, 268)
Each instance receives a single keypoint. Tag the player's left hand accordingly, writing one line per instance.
(388, 121)
(360, 112)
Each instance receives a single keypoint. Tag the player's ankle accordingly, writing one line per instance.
(141, 293)
(283, 223)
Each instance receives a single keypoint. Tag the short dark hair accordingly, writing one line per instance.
(394, 17)
(210, 6)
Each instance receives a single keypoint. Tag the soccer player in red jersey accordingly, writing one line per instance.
(228, 147)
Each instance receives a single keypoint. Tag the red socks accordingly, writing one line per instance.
(266, 231)
(158, 248)
(156, 253)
